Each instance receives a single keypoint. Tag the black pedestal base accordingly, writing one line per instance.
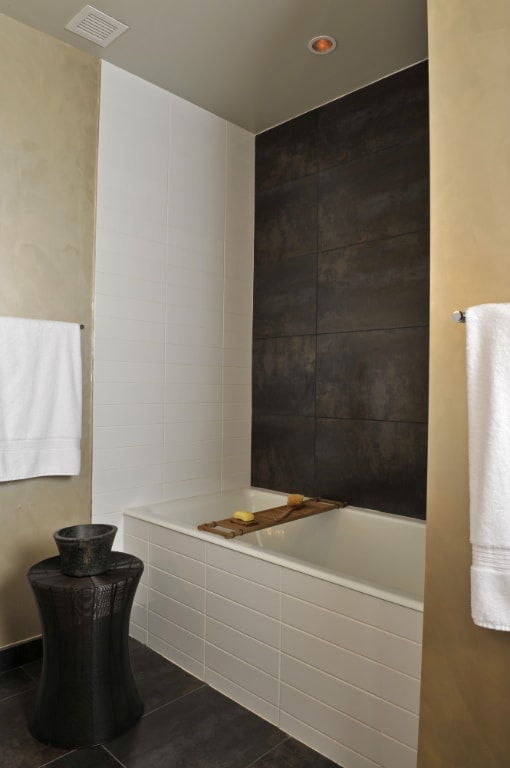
(87, 693)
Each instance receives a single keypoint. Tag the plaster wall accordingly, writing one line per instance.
(466, 669)
(48, 150)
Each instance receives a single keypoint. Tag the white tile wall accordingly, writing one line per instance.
(173, 299)
(337, 669)
(238, 308)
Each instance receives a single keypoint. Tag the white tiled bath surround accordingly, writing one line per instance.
(336, 668)
(173, 299)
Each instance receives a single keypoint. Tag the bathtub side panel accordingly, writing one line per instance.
(325, 745)
(136, 542)
(176, 598)
(373, 746)
(337, 668)
(242, 634)
(351, 668)
(367, 709)
(382, 647)
(391, 617)
(346, 676)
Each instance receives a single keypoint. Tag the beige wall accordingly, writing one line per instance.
(466, 670)
(49, 95)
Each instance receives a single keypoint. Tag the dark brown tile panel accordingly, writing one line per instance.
(283, 453)
(380, 375)
(382, 115)
(379, 196)
(374, 464)
(285, 297)
(349, 261)
(283, 375)
(286, 152)
(380, 284)
(286, 220)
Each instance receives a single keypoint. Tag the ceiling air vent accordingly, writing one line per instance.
(96, 26)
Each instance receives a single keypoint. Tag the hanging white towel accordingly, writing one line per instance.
(488, 378)
(40, 398)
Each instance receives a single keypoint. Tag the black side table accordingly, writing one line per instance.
(87, 693)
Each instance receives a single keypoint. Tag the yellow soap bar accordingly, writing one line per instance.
(241, 514)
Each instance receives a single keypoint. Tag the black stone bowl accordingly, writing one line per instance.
(85, 549)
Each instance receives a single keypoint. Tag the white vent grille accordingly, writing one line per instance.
(96, 26)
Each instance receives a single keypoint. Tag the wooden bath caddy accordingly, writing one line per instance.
(266, 518)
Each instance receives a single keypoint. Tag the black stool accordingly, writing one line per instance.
(87, 693)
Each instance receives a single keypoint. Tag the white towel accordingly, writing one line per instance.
(40, 398)
(488, 379)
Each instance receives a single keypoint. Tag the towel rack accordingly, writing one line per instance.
(459, 316)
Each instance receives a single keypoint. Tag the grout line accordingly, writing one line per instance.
(113, 756)
(172, 701)
(14, 695)
(27, 673)
(269, 752)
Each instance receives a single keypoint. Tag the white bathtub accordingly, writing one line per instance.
(315, 625)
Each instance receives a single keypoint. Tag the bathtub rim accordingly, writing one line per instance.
(398, 597)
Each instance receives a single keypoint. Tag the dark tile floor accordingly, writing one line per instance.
(186, 724)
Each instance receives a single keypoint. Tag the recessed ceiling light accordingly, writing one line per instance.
(322, 44)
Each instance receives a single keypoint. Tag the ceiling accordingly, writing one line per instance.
(247, 60)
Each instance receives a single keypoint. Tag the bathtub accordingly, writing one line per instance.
(315, 625)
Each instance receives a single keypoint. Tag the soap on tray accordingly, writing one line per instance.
(246, 517)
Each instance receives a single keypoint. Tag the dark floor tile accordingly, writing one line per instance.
(33, 669)
(159, 681)
(18, 749)
(292, 754)
(13, 682)
(95, 757)
(202, 730)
